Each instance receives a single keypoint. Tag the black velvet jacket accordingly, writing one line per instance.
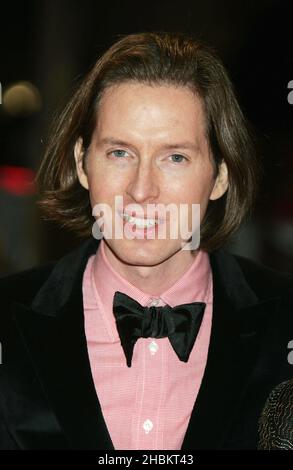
(47, 394)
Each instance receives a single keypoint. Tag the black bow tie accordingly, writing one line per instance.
(180, 324)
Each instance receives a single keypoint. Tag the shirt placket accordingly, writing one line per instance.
(148, 425)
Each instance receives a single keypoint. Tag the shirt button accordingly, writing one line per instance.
(147, 426)
(154, 302)
(153, 347)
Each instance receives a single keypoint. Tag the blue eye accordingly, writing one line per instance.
(178, 157)
(119, 153)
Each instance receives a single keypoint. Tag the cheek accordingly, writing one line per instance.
(195, 185)
(103, 185)
(196, 192)
(201, 187)
(100, 193)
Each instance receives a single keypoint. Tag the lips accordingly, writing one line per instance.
(132, 217)
(140, 223)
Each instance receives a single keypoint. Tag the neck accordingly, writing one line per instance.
(156, 279)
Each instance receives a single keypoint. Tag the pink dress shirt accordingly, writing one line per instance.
(147, 405)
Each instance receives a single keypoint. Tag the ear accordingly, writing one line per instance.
(221, 183)
(79, 162)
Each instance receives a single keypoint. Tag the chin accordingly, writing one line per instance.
(148, 253)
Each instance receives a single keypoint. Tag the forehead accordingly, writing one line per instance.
(150, 110)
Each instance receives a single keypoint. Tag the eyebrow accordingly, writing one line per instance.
(168, 146)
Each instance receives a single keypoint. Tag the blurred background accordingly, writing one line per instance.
(47, 46)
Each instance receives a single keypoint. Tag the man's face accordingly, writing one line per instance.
(149, 146)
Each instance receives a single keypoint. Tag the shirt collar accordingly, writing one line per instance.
(103, 281)
(193, 286)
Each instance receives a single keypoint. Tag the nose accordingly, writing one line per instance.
(144, 183)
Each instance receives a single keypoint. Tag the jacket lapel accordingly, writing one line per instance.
(234, 345)
(53, 333)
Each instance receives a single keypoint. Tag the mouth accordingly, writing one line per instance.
(140, 222)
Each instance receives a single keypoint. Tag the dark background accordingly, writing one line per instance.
(52, 44)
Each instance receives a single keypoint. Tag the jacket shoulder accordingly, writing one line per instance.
(24, 285)
(264, 279)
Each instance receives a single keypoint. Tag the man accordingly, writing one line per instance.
(145, 340)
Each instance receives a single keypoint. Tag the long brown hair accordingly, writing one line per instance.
(154, 58)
